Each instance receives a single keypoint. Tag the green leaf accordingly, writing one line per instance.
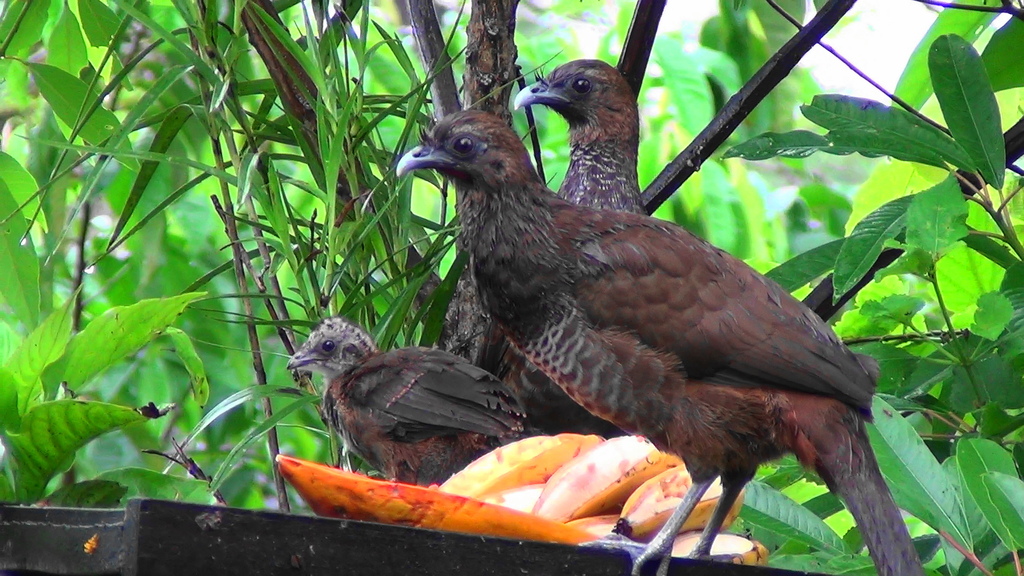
(914, 85)
(913, 261)
(993, 314)
(88, 494)
(795, 144)
(895, 364)
(769, 509)
(918, 483)
(996, 252)
(969, 105)
(50, 435)
(198, 381)
(805, 267)
(120, 331)
(41, 348)
(865, 243)
(20, 184)
(99, 22)
(25, 19)
(1006, 494)
(1001, 56)
(140, 482)
(10, 418)
(877, 129)
(70, 98)
(897, 308)
(964, 275)
(978, 460)
(19, 282)
(937, 218)
(66, 49)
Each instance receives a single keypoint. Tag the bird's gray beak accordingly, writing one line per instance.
(539, 93)
(423, 157)
(299, 359)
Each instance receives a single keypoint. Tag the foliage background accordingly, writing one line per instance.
(147, 165)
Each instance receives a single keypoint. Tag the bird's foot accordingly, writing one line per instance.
(639, 553)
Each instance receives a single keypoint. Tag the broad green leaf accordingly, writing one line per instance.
(879, 129)
(805, 267)
(10, 419)
(198, 382)
(143, 483)
(66, 49)
(88, 494)
(964, 275)
(25, 19)
(20, 183)
(895, 364)
(865, 243)
(914, 85)
(1002, 58)
(969, 105)
(37, 351)
(897, 308)
(687, 87)
(70, 98)
(918, 483)
(769, 509)
(993, 314)
(888, 181)
(913, 261)
(937, 218)
(118, 332)
(99, 22)
(19, 281)
(997, 252)
(50, 435)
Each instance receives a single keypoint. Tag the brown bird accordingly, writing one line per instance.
(666, 336)
(604, 135)
(416, 414)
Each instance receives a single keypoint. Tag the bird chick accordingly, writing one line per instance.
(416, 414)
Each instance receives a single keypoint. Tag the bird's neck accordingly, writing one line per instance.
(602, 174)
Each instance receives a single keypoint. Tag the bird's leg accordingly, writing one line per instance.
(661, 545)
(732, 485)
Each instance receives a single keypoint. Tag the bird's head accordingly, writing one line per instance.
(585, 93)
(334, 346)
(475, 148)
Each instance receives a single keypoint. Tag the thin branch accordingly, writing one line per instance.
(76, 284)
(965, 552)
(227, 216)
(926, 336)
(1006, 8)
(896, 99)
(434, 55)
(740, 105)
(636, 51)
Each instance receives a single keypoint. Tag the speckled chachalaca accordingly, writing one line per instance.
(664, 335)
(604, 134)
(416, 414)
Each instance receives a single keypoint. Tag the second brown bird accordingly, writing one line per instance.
(416, 414)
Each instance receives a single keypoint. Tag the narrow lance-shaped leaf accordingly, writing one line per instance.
(40, 349)
(968, 104)
(771, 510)
(1002, 58)
(198, 381)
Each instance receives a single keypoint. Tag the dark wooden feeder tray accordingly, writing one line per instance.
(155, 537)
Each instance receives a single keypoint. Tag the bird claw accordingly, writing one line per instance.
(639, 553)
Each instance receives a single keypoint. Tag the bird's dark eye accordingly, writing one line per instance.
(462, 145)
(351, 350)
(328, 346)
(581, 85)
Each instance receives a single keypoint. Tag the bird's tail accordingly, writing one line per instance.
(849, 469)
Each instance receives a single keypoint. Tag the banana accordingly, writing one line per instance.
(339, 494)
(521, 498)
(529, 461)
(650, 506)
(726, 547)
(596, 525)
(599, 480)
